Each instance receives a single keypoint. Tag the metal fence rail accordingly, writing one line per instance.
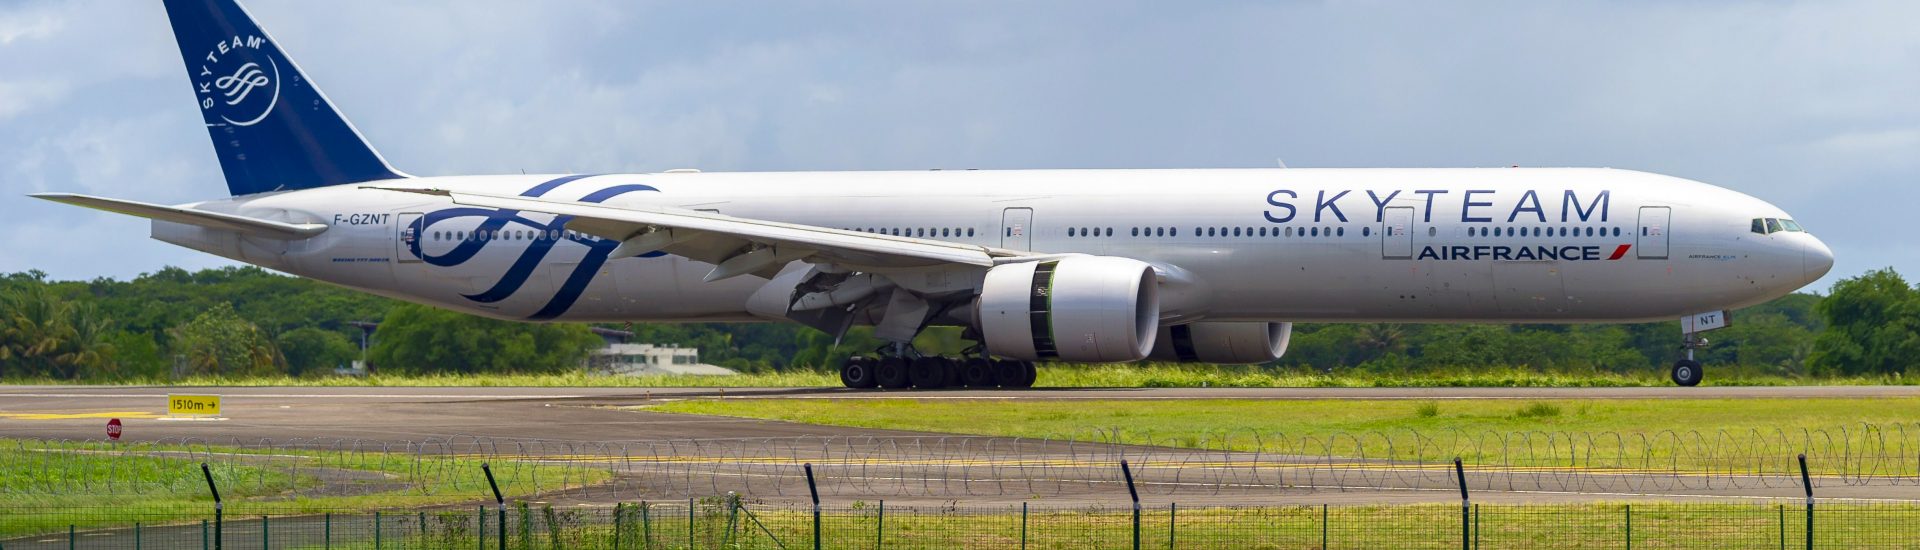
(728, 523)
(1866, 455)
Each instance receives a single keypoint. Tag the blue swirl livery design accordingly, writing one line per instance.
(529, 260)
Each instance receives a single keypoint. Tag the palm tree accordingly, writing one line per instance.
(86, 349)
(34, 328)
(1379, 339)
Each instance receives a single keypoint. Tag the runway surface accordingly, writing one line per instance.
(587, 416)
(413, 413)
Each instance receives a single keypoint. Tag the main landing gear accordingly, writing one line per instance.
(898, 371)
(1688, 372)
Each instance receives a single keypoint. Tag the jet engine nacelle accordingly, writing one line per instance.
(1081, 308)
(1223, 342)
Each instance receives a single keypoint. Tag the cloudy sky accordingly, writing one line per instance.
(1814, 106)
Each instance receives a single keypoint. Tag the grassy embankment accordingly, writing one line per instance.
(1453, 425)
(86, 487)
(1063, 376)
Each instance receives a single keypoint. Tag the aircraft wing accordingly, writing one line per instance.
(190, 216)
(737, 246)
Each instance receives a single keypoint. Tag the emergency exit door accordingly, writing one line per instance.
(1396, 233)
(1651, 239)
(1016, 229)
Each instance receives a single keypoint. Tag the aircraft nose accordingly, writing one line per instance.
(1817, 259)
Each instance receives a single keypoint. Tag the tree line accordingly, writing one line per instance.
(244, 321)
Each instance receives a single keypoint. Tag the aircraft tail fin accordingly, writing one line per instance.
(271, 126)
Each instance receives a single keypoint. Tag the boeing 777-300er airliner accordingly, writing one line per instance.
(1206, 266)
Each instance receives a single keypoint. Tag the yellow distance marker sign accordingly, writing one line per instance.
(193, 405)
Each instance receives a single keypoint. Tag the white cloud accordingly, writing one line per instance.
(20, 96)
(28, 22)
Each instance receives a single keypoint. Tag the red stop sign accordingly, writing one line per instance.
(113, 429)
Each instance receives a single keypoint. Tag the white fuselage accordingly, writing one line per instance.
(1412, 245)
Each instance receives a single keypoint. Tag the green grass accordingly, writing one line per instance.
(1147, 375)
(91, 488)
(1452, 425)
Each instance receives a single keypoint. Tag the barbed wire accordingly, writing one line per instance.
(1222, 463)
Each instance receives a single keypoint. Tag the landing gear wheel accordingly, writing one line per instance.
(1009, 374)
(952, 367)
(977, 373)
(859, 372)
(928, 373)
(1688, 372)
(892, 373)
(1033, 374)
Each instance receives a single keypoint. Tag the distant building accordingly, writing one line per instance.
(620, 357)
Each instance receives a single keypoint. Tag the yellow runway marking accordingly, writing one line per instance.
(71, 416)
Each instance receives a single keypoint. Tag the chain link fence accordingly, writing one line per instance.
(1219, 465)
(734, 523)
(662, 494)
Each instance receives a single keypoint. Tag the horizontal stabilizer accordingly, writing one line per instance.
(189, 216)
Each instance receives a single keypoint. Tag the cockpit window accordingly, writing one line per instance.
(1765, 226)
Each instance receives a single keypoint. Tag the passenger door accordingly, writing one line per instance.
(409, 231)
(1652, 237)
(1016, 229)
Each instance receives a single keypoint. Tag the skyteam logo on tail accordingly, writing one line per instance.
(239, 81)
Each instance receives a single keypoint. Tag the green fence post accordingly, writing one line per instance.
(1173, 518)
(327, 538)
(880, 527)
(1466, 520)
(1629, 527)
(1135, 494)
(264, 536)
(1323, 526)
(815, 491)
(646, 526)
(1807, 482)
(203, 534)
(376, 530)
(1783, 525)
(423, 526)
(136, 535)
(219, 508)
(480, 528)
(1023, 526)
(1476, 527)
(689, 524)
(616, 525)
(69, 536)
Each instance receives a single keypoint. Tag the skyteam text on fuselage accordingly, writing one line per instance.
(1036, 265)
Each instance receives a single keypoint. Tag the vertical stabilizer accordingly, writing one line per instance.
(272, 128)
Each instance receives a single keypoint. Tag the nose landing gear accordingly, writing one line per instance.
(1688, 372)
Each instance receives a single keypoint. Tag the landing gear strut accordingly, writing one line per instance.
(933, 372)
(1688, 372)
